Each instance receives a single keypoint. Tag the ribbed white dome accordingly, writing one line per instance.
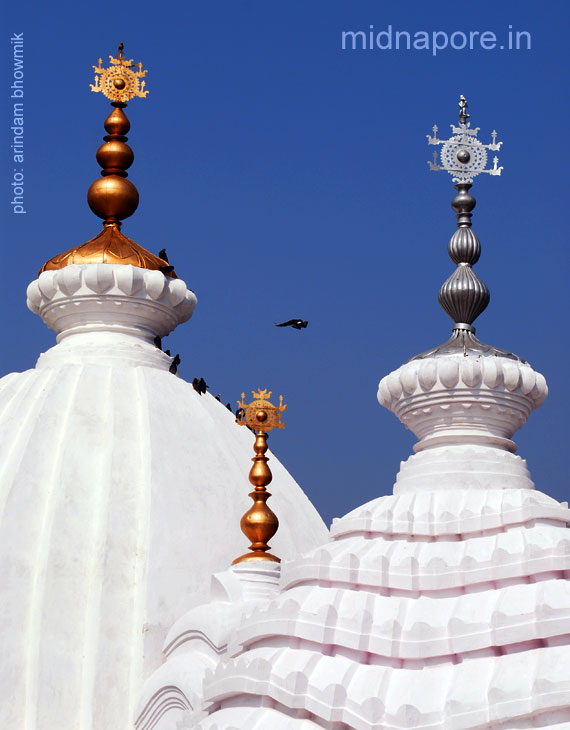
(121, 491)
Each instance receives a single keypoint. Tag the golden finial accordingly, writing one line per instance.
(119, 82)
(112, 197)
(259, 524)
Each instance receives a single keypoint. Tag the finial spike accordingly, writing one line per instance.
(259, 524)
(463, 116)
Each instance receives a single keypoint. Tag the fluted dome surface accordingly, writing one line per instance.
(121, 491)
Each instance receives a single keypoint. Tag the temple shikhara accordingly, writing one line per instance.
(444, 606)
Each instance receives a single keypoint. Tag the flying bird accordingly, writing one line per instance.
(174, 364)
(297, 324)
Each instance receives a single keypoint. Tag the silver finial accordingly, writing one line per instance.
(463, 155)
(464, 296)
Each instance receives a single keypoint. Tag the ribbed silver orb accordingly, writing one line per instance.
(464, 296)
(464, 247)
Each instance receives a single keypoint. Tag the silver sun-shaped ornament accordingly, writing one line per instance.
(463, 155)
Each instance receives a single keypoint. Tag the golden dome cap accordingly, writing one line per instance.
(110, 246)
(112, 197)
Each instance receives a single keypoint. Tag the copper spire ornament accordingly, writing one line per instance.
(112, 197)
(259, 524)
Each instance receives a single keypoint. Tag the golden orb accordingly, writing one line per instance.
(113, 197)
(119, 84)
(115, 154)
(117, 122)
(261, 416)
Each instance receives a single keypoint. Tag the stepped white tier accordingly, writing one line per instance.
(121, 491)
(444, 606)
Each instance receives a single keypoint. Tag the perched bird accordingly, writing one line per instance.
(218, 396)
(162, 255)
(229, 407)
(199, 385)
(167, 352)
(166, 269)
(174, 364)
(240, 413)
(297, 324)
(158, 342)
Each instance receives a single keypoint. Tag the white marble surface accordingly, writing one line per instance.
(445, 606)
(121, 491)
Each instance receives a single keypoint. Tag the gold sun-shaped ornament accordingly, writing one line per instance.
(119, 82)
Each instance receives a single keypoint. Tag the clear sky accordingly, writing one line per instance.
(287, 177)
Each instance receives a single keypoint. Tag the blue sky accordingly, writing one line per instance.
(287, 178)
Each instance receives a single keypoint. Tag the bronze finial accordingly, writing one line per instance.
(113, 198)
(259, 524)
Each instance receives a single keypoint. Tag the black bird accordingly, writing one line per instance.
(166, 269)
(199, 385)
(240, 413)
(218, 396)
(174, 364)
(229, 407)
(297, 324)
(162, 255)
(167, 352)
(158, 342)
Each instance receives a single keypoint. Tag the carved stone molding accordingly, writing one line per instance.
(463, 400)
(85, 298)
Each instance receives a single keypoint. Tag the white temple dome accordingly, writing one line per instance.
(122, 490)
(444, 606)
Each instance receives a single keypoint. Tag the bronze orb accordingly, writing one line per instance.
(117, 122)
(113, 197)
(115, 154)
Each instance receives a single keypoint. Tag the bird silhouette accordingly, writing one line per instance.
(166, 269)
(199, 385)
(174, 364)
(296, 324)
(162, 255)
(229, 407)
(158, 342)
